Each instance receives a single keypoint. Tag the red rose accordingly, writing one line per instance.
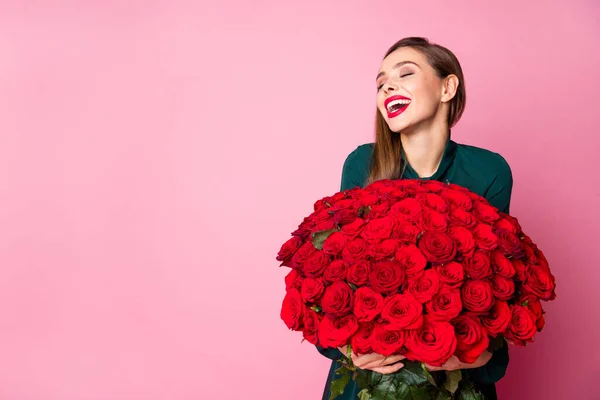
(335, 332)
(323, 226)
(358, 274)
(337, 299)
(498, 319)
(425, 287)
(303, 253)
(411, 259)
(460, 217)
(293, 280)
(452, 273)
(477, 295)
(408, 208)
(509, 243)
(291, 309)
(336, 271)
(431, 220)
(288, 249)
(321, 216)
(458, 199)
(353, 229)
(502, 265)
(311, 326)
(522, 326)
(437, 247)
(377, 229)
(386, 342)
(361, 340)
(446, 305)
(485, 212)
(368, 199)
(433, 344)
(367, 304)
(540, 282)
(503, 288)
(464, 239)
(478, 266)
(379, 211)
(344, 216)
(312, 289)
(405, 231)
(520, 268)
(355, 249)
(386, 276)
(383, 250)
(334, 243)
(472, 339)
(402, 311)
(433, 201)
(304, 229)
(316, 264)
(509, 223)
(532, 302)
(484, 237)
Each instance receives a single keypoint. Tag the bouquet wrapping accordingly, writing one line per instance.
(423, 269)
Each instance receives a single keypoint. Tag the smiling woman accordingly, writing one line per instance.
(420, 96)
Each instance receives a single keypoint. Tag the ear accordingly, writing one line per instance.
(450, 87)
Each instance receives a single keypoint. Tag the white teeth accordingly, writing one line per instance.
(397, 102)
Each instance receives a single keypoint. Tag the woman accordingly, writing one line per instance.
(420, 96)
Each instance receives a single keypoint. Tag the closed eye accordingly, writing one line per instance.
(401, 76)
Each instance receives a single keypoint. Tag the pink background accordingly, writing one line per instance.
(154, 155)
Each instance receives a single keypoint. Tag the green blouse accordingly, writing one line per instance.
(479, 170)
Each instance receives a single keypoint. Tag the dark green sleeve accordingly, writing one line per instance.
(354, 173)
(500, 189)
(498, 194)
(356, 167)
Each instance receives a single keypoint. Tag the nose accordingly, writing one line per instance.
(389, 86)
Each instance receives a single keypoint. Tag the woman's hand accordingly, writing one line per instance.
(375, 362)
(454, 363)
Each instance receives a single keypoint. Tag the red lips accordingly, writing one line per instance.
(398, 111)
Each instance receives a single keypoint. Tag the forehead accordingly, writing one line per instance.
(402, 54)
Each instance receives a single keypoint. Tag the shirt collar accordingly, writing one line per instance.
(447, 158)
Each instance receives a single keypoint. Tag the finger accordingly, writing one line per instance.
(374, 359)
(384, 361)
(366, 359)
(390, 369)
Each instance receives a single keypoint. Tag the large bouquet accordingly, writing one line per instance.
(418, 268)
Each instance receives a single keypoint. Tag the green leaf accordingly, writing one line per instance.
(319, 237)
(316, 309)
(443, 395)
(390, 388)
(468, 392)
(452, 380)
(342, 370)
(338, 386)
(428, 375)
(525, 303)
(411, 373)
(420, 393)
(353, 287)
(364, 394)
(362, 377)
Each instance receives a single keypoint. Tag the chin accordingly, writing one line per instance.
(397, 126)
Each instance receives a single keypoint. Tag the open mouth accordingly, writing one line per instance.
(395, 106)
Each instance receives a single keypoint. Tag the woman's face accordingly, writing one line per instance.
(408, 90)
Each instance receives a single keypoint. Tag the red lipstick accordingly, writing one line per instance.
(397, 111)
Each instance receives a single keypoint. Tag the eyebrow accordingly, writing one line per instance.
(398, 65)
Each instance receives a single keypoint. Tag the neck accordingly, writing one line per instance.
(424, 148)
